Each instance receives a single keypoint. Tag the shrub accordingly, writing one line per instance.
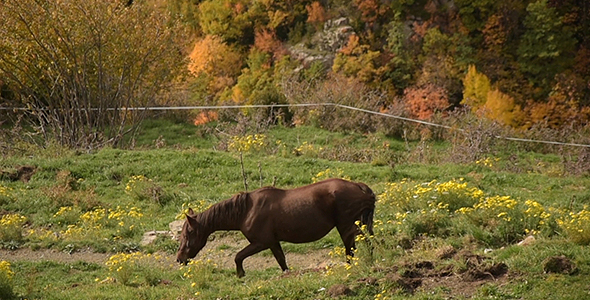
(453, 207)
(5, 194)
(576, 225)
(502, 220)
(141, 188)
(248, 143)
(126, 266)
(6, 275)
(11, 228)
(93, 224)
(200, 273)
(477, 138)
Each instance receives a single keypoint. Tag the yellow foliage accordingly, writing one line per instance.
(500, 107)
(276, 18)
(476, 88)
(5, 269)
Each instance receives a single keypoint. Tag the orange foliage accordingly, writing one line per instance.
(495, 35)
(212, 56)
(371, 10)
(205, 117)
(582, 65)
(239, 8)
(316, 14)
(216, 59)
(420, 29)
(358, 61)
(424, 101)
(563, 106)
(557, 112)
(351, 45)
(266, 41)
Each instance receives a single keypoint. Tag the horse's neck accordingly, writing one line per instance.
(226, 215)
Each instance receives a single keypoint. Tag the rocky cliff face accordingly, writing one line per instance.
(325, 44)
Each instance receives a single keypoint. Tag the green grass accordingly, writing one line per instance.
(190, 169)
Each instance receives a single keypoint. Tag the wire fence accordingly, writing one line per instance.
(210, 107)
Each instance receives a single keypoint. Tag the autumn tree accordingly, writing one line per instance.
(316, 14)
(501, 108)
(373, 14)
(476, 87)
(358, 60)
(424, 101)
(562, 106)
(78, 64)
(487, 101)
(266, 41)
(215, 64)
(256, 83)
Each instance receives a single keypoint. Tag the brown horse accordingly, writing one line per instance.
(270, 215)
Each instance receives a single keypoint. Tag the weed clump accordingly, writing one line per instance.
(11, 229)
(439, 209)
(6, 275)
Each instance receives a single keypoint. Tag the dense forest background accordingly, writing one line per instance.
(520, 64)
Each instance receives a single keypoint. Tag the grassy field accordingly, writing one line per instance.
(442, 230)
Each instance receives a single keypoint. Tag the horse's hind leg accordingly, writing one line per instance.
(348, 234)
(277, 251)
(248, 251)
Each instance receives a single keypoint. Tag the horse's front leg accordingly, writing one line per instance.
(248, 251)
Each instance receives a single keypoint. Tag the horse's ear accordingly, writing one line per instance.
(191, 212)
(191, 220)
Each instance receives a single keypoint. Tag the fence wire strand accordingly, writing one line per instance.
(204, 107)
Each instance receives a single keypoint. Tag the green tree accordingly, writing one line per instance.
(474, 13)
(546, 47)
(228, 20)
(78, 64)
(400, 68)
(256, 84)
(445, 58)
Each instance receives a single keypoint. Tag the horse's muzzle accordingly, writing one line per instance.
(182, 262)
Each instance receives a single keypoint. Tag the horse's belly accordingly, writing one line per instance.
(303, 231)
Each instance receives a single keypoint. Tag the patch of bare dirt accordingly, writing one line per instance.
(22, 173)
(221, 250)
(462, 279)
(558, 264)
(26, 254)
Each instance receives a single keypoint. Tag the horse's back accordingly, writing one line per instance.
(307, 213)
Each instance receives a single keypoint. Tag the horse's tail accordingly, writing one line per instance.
(367, 215)
(367, 219)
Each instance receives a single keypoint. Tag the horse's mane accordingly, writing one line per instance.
(225, 212)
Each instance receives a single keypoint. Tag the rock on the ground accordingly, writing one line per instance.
(176, 228)
(150, 236)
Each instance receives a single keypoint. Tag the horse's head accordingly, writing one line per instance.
(192, 239)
